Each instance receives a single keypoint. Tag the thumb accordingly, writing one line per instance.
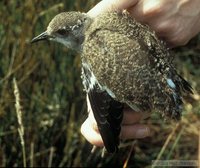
(111, 5)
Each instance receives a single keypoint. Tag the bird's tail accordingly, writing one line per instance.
(185, 86)
(177, 87)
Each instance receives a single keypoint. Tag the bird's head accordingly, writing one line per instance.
(67, 28)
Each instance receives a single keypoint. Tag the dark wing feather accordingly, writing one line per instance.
(108, 115)
(107, 112)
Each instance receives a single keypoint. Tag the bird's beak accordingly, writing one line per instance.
(42, 36)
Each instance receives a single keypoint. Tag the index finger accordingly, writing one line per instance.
(111, 5)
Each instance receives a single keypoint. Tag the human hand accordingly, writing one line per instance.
(130, 129)
(176, 22)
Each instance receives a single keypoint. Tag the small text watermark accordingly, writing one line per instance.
(177, 163)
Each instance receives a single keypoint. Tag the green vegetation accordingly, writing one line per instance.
(49, 95)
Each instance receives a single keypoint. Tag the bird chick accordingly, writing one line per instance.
(123, 62)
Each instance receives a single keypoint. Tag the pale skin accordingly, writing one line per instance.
(174, 21)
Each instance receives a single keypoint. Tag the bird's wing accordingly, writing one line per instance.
(121, 64)
(107, 112)
(130, 60)
(101, 58)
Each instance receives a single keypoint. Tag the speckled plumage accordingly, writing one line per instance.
(128, 58)
(123, 63)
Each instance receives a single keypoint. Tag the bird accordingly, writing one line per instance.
(124, 63)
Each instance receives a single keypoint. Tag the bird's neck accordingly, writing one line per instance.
(81, 38)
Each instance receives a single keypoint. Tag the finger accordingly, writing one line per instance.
(111, 5)
(137, 12)
(93, 122)
(89, 109)
(145, 11)
(132, 117)
(136, 131)
(91, 118)
(90, 134)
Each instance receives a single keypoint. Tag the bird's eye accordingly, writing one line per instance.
(62, 32)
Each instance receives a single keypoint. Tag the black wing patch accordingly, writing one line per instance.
(108, 115)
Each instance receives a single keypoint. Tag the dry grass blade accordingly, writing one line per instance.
(51, 157)
(14, 70)
(54, 7)
(166, 143)
(129, 155)
(19, 119)
(32, 155)
(199, 150)
(175, 143)
(39, 154)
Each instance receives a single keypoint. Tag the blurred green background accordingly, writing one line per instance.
(53, 101)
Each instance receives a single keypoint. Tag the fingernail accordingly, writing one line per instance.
(143, 132)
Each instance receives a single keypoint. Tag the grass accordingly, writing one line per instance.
(48, 82)
(19, 119)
